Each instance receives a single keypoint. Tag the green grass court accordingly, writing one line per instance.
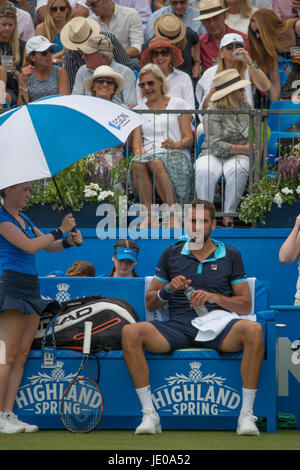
(169, 440)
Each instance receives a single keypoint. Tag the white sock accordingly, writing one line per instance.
(248, 397)
(145, 397)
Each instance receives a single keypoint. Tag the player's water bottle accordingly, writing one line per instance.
(200, 310)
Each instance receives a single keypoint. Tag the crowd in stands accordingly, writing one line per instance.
(84, 47)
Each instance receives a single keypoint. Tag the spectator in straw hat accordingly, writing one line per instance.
(162, 52)
(105, 83)
(182, 10)
(97, 51)
(76, 32)
(183, 37)
(212, 15)
(226, 146)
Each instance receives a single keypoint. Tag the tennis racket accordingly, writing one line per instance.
(81, 406)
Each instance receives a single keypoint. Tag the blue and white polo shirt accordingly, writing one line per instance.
(217, 273)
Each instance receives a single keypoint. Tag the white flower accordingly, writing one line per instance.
(286, 190)
(298, 189)
(278, 200)
(89, 192)
(105, 194)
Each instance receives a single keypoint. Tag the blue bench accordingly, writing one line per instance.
(192, 388)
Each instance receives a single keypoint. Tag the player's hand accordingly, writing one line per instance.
(75, 238)
(178, 283)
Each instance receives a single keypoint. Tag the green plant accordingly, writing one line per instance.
(90, 180)
(274, 187)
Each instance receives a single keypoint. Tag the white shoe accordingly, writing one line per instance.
(150, 423)
(246, 424)
(6, 427)
(13, 419)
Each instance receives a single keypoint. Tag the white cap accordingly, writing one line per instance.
(37, 44)
(230, 38)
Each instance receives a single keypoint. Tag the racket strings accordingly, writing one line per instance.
(81, 406)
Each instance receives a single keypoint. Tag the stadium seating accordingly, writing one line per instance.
(192, 388)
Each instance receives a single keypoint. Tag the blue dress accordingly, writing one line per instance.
(19, 287)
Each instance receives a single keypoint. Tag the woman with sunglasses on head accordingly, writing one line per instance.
(167, 57)
(10, 45)
(58, 13)
(232, 55)
(162, 162)
(268, 37)
(20, 303)
(40, 77)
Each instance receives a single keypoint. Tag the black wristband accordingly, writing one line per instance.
(57, 233)
(164, 295)
(65, 243)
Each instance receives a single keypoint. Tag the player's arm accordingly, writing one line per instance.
(239, 302)
(160, 291)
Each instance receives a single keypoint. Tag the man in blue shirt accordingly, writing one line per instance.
(180, 8)
(217, 274)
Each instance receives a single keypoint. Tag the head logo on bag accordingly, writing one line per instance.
(108, 314)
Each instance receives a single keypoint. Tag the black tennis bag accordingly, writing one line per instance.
(108, 314)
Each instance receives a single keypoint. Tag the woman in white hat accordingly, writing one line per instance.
(105, 83)
(232, 55)
(40, 77)
(225, 150)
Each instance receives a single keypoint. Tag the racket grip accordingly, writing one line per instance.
(87, 337)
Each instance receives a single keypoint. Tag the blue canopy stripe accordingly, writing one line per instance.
(49, 124)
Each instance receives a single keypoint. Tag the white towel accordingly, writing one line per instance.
(212, 324)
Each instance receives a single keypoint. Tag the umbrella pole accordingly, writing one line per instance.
(63, 203)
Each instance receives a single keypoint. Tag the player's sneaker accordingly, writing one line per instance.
(150, 423)
(246, 424)
(13, 419)
(6, 427)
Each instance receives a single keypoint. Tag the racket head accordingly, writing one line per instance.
(81, 406)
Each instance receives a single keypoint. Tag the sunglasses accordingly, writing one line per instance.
(46, 52)
(163, 53)
(143, 84)
(92, 4)
(178, 2)
(56, 9)
(255, 32)
(110, 82)
(231, 46)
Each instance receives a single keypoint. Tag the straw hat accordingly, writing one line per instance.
(77, 31)
(157, 43)
(107, 72)
(170, 26)
(100, 43)
(210, 8)
(227, 81)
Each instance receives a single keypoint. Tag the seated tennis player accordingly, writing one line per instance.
(217, 273)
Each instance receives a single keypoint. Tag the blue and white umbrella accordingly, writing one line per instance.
(40, 139)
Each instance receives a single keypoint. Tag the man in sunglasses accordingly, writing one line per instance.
(182, 10)
(212, 15)
(97, 51)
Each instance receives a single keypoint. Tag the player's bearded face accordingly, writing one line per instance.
(199, 226)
